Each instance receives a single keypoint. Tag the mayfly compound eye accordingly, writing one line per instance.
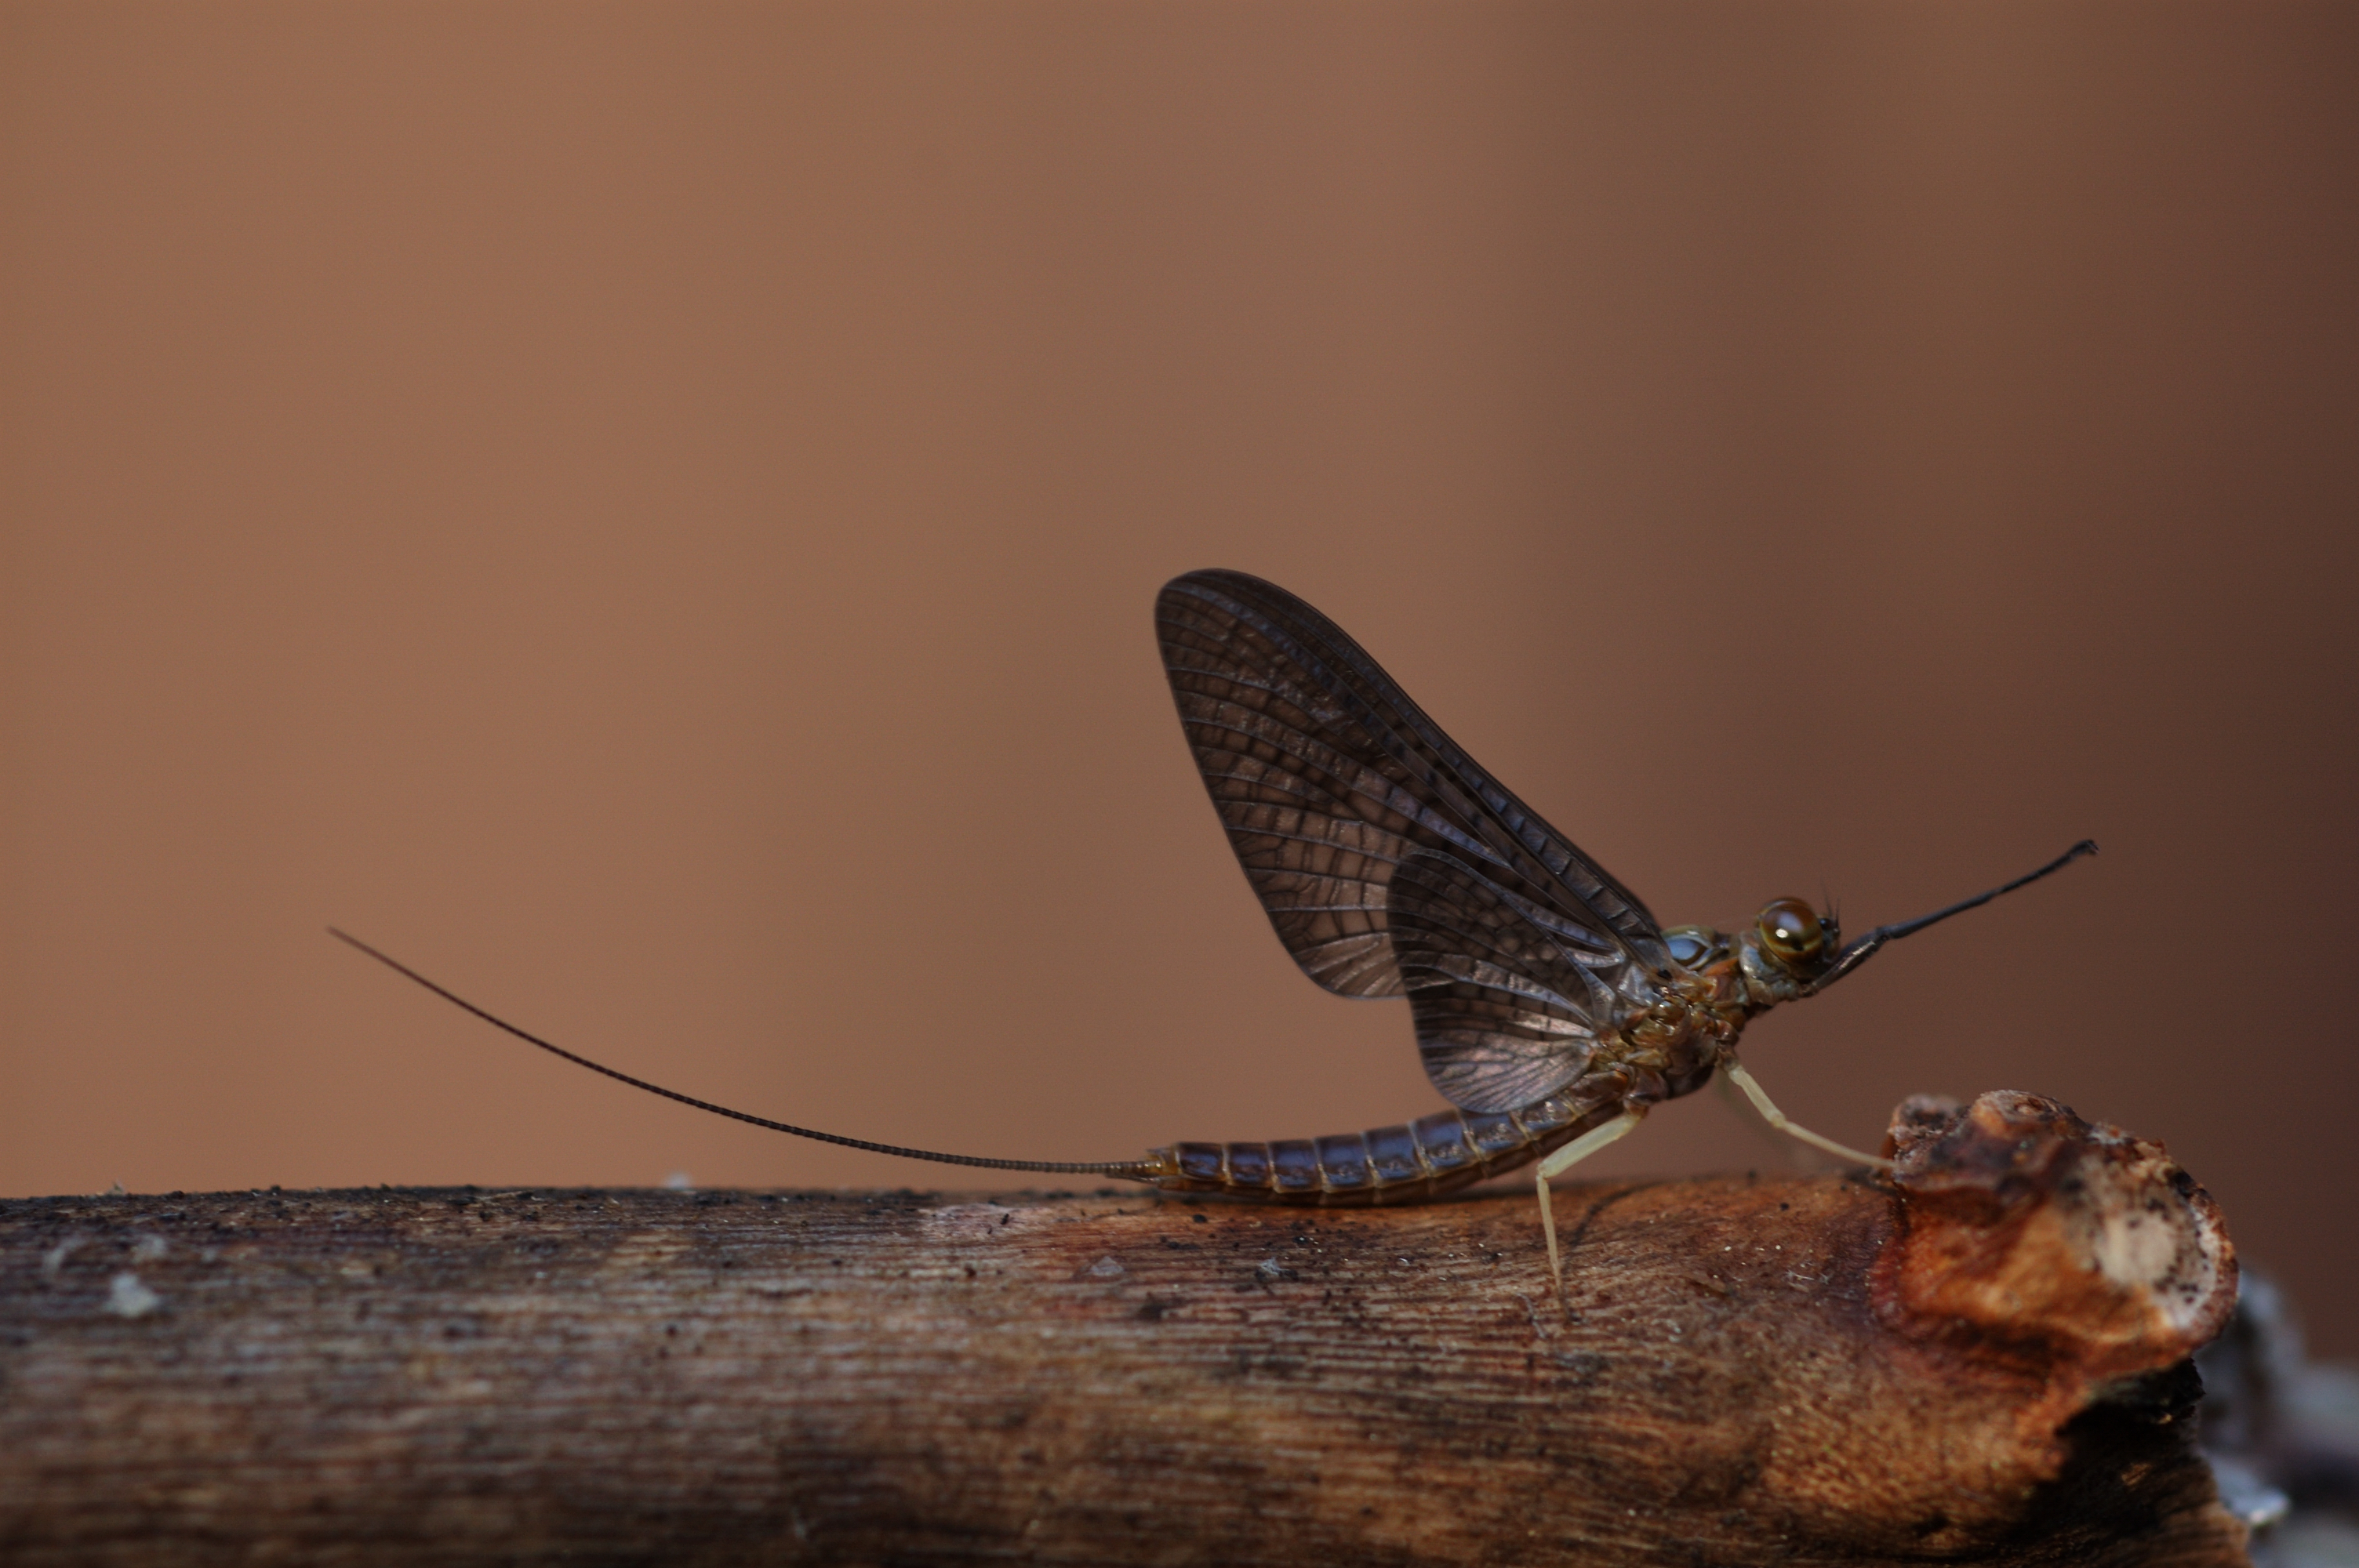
(1791, 931)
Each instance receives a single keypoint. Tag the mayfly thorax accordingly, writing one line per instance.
(1552, 1009)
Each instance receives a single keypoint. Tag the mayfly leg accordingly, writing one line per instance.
(1564, 1160)
(1778, 1119)
(1742, 1108)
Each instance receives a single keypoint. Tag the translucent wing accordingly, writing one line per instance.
(1504, 1014)
(1328, 779)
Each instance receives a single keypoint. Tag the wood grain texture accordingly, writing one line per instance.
(1745, 1371)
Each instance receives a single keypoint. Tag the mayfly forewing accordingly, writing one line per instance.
(1514, 835)
(1317, 830)
(1328, 777)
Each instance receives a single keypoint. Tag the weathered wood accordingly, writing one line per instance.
(1983, 1364)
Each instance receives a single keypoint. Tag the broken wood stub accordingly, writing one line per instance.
(2080, 1252)
(1743, 1371)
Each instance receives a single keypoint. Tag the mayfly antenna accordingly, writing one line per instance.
(1133, 1170)
(1859, 952)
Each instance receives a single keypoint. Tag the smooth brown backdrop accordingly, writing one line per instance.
(651, 512)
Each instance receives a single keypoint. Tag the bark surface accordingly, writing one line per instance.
(1983, 1361)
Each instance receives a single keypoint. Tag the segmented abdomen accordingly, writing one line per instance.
(1385, 1164)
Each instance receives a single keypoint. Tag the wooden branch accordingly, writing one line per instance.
(1984, 1363)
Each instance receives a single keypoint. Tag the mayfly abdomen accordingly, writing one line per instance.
(1385, 1164)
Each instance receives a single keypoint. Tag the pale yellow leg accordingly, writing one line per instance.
(1564, 1160)
(1742, 1108)
(1776, 1118)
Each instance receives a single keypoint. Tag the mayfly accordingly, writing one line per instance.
(1552, 1009)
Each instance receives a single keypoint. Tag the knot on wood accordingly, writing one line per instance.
(2080, 1247)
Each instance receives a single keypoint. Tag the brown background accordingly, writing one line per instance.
(651, 513)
